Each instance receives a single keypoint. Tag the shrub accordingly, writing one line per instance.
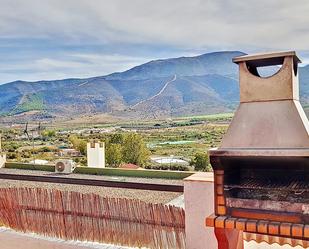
(201, 162)
(135, 150)
(176, 167)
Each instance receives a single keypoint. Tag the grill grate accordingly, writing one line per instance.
(295, 185)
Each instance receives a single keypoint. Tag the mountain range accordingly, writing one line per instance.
(201, 84)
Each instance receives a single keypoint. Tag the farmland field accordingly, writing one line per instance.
(179, 138)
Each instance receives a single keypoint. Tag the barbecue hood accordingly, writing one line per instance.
(261, 169)
(269, 120)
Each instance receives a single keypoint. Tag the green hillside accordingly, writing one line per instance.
(30, 102)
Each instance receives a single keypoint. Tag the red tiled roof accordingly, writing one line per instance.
(128, 166)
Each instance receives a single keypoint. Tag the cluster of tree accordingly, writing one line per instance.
(201, 162)
(10, 146)
(13, 156)
(120, 148)
(126, 148)
(78, 144)
(48, 133)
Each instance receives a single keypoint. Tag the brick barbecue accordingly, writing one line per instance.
(262, 166)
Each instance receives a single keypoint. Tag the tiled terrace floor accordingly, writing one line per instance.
(263, 245)
(13, 240)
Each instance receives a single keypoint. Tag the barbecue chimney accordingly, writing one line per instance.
(269, 114)
(261, 168)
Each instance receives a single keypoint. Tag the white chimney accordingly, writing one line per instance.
(96, 155)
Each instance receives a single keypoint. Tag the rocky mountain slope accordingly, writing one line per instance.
(180, 86)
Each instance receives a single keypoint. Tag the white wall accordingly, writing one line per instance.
(96, 155)
(199, 203)
(2, 160)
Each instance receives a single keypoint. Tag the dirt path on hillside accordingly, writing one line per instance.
(158, 94)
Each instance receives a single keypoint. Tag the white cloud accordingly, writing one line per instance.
(83, 38)
(111, 58)
(196, 23)
(49, 64)
(75, 65)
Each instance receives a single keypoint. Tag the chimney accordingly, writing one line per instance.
(269, 114)
(96, 154)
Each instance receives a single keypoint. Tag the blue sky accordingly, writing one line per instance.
(55, 39)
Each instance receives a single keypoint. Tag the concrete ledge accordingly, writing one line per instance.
(199, 204)
(201, 177)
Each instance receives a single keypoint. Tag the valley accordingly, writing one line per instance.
(178, 139)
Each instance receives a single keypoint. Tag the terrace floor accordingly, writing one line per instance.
(13, 240)
(263, 245)
(143, 195)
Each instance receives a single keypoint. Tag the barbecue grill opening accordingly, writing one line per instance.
(272, 184)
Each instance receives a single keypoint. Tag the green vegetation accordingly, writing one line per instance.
(211, 117)
(127, 148)
(133, 173)
(78, 144)
(30, 102)
(203, 137)
(124, 145)
(135, 150)
(172, 166)
(106, 171)
(10, 146)
(48, 133)
(201, 162)
(114, 155)
(12, 165)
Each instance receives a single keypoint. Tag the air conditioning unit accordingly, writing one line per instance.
(64, 166)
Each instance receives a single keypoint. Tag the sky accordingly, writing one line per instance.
(56, 39)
